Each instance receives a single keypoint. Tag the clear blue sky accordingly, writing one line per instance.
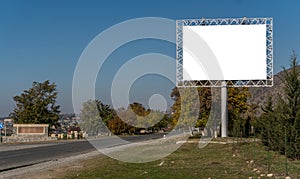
(42, 40)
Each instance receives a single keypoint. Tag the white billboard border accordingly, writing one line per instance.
(268, 82)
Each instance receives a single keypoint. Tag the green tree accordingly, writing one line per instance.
(146, 118)
(95, 116)
(152, 121)
(124, 121)
(237, 107)
(117, 126)
(37, 105)
(136, 117)
(271, 127)
(290, 107)
(282, 121)
(185, 110)
(139, 109)
(165, 122)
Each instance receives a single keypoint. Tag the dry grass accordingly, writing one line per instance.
(234, 160)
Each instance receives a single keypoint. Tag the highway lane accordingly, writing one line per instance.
(29, 156)
(11, 159)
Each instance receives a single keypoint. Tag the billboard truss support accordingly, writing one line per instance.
(268, 82)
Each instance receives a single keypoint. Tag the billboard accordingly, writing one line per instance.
(238, 51)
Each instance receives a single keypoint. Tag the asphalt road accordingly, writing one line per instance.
(17, 157)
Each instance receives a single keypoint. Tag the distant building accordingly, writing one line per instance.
(67, 123)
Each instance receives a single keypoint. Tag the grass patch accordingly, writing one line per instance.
(234, 160)
(267, 161)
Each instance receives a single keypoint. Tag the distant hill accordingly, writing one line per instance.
(259, 95)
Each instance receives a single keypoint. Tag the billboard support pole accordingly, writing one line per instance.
(224, 110)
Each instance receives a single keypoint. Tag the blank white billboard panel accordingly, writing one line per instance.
(240, 51)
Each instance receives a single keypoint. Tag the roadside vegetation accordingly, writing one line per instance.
(239, 160)
(277, 125)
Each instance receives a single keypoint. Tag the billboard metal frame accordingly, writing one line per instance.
(268, 82)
